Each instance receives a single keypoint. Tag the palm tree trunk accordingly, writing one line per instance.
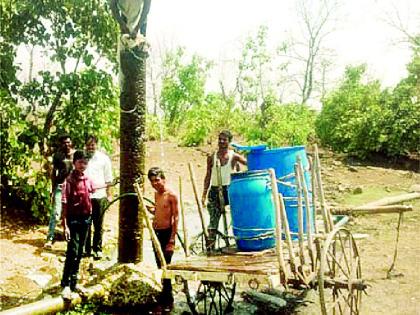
(132, 154)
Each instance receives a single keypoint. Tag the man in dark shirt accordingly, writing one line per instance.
(62, 166)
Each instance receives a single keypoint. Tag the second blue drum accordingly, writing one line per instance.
(252, 210)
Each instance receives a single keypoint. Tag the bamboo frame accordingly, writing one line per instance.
(328, 222)
(184, 225)
(314, 191)
(287, 233)
(300, 216)
(279, 246)
(308, 216)
(197, 199)
(155, 240)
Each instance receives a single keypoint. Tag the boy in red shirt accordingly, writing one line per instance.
(76, 219)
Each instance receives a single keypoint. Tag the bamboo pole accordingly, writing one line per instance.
(155, 240)
(307, 212)
(300, 216)
(279, 246)
(329, 225)
(314, 192)
(184, 225)
(392, 200)
(197, 199)
(287, 233)
(222, 200)
(46, 306)
(373, 210)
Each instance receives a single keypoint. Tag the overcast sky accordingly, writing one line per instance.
(216, 28)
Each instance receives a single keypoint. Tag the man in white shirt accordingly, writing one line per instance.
(99, 169)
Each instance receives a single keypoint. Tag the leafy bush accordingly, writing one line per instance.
(155, 128)
(360, 119)
(351, 119)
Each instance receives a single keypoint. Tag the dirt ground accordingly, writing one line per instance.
(27, 269)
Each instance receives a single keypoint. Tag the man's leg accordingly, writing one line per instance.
(98, 213)
(55, 215)
(79, 236)
(71, 256)
(213, 207)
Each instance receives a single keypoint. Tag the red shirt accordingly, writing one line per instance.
(77, 189)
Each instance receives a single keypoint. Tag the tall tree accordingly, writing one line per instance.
(317, 19)
(131, 16)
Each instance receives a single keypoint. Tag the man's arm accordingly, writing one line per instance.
(237, 158)
(108, 178)
(207, 178)
(174, 220)
(64, 210)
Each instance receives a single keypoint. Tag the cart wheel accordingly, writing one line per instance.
(340, 274)
(211, 298)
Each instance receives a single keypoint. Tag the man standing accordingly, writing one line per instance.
(227, 160)
(165, 224)
(99, 170)
(62, 166)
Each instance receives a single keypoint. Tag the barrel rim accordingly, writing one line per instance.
(277, 150)
(249, 174)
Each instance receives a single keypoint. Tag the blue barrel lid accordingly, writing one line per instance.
(259, 147)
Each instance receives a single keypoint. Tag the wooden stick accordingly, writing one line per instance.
(197, 199)
(300, 217)
(392, 200)
(184, 225)
(314, 193)
(287, 233)
(326, 214)
(279, 245)
(307, 212)
(222, 200)
(373, 210)
(155, 240)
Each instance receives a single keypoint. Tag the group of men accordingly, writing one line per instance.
(82, 189)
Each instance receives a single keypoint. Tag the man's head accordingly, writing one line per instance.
(91, 144)
(80, 161)
(225, 137)
(65, 143)
(157, 178)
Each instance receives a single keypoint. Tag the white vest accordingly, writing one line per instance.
(225, 170)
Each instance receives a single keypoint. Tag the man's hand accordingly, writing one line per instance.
(170, 247)
(66, 231)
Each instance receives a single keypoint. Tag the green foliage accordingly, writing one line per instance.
(183, 86)
(155, 128)
(281, 125)
(350, 120)
(73, 35)
(403, 108)
(360, 119)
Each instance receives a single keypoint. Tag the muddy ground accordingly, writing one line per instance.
(27, 269)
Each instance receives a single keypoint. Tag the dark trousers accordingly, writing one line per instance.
(98, 213)
(164, 237)
(78, 230)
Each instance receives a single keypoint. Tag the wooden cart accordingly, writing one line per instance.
(326, 259)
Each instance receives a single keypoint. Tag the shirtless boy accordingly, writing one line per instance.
(165, 223)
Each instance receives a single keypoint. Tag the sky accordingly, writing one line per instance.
(215, 29)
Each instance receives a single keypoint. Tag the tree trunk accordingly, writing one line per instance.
(132, 154)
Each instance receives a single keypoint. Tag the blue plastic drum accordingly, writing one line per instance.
(253, 211)
(282, 160)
